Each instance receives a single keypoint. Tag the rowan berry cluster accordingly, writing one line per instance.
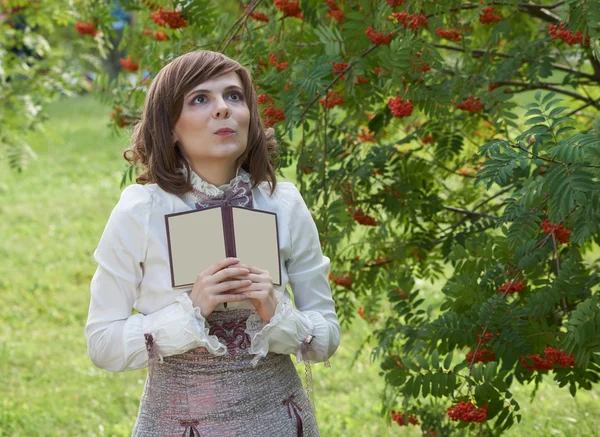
(344, 280)
(467, 412)
(378, 37)
(511, 287)
(307, 169)
(332, 100)
(450, 35)
(370, 319)
(399, 107)
(404, 419)
(338, 67)
(566, 35)
(481, 356)
(264, 98)
(472, 104)
(87, 28)
(168, 18)
(560, 232)
(273, 116)
(159, 36)
(427, 139)
(410, 20)
(273, 61)
(486, 338)
(401, 293)
(552, 357)
(129, 64)
(334, 11)
(489, 16)
(258, 16)
(119, 118)
(360, 217)
(366, 136)
(289, 8)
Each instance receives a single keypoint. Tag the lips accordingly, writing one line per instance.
(224, 131)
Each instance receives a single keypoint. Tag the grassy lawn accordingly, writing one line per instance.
(52, 217)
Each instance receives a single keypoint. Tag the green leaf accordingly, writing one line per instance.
(448, 361)
(435, 360)
(534, 120)
(422, 362)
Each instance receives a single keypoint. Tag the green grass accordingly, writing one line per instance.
(52, 216)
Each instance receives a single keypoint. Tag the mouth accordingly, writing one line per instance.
(225, 132)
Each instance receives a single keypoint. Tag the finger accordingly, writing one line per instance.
(219, 265)
(252, 269)
(222, 298)
(230, 273)
(253, 277)
(229, 286)
(256, 294)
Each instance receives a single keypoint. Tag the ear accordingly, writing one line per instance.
(174, 138)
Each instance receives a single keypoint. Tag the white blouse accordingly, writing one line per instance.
(133, 272)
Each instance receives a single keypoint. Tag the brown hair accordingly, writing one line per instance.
(152, 144)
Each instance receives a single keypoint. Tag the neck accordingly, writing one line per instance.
(215, 174)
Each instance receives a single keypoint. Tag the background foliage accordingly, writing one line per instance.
(427, 156)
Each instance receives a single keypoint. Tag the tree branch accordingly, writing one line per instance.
(470, 213)
(540, 11)
(549, 87)
(480, 52)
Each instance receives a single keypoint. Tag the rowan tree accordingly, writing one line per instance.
(446, 142)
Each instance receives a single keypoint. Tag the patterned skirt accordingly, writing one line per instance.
(199, 394)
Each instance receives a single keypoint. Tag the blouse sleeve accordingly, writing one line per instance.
(115, 337)
(311, 330)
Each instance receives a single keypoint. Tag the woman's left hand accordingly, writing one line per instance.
(261, 292)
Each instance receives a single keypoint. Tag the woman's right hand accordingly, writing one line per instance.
(218, 284)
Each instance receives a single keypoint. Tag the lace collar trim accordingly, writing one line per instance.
(210, 190)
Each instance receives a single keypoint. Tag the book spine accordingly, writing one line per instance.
(227, 216)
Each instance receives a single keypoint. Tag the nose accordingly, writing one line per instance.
(221, 109)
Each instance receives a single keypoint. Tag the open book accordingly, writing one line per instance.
(199, 238)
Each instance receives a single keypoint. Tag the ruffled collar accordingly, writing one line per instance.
(200, 186)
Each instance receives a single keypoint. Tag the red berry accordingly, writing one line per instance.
(87, 28)
(378, 37)
(511, 287)
(481, 356)
(273, 116)
(160, 36)
(399, 107)
(488, 16)
(168, 18)
(273, 61)
(289, 8)
(332, 100)
(129, 64)
(472, 104)
(450, 35)
(467, 412)
(567, 36)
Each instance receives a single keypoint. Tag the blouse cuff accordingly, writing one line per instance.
(196, 326)
(281, 330)
(313, 348)
(185, 323)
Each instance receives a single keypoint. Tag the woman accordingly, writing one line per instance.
(219, 353)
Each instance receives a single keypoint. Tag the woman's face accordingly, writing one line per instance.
(215, 104)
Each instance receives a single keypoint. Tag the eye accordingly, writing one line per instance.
(240, 97)
(235, 93)
(196, 99)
